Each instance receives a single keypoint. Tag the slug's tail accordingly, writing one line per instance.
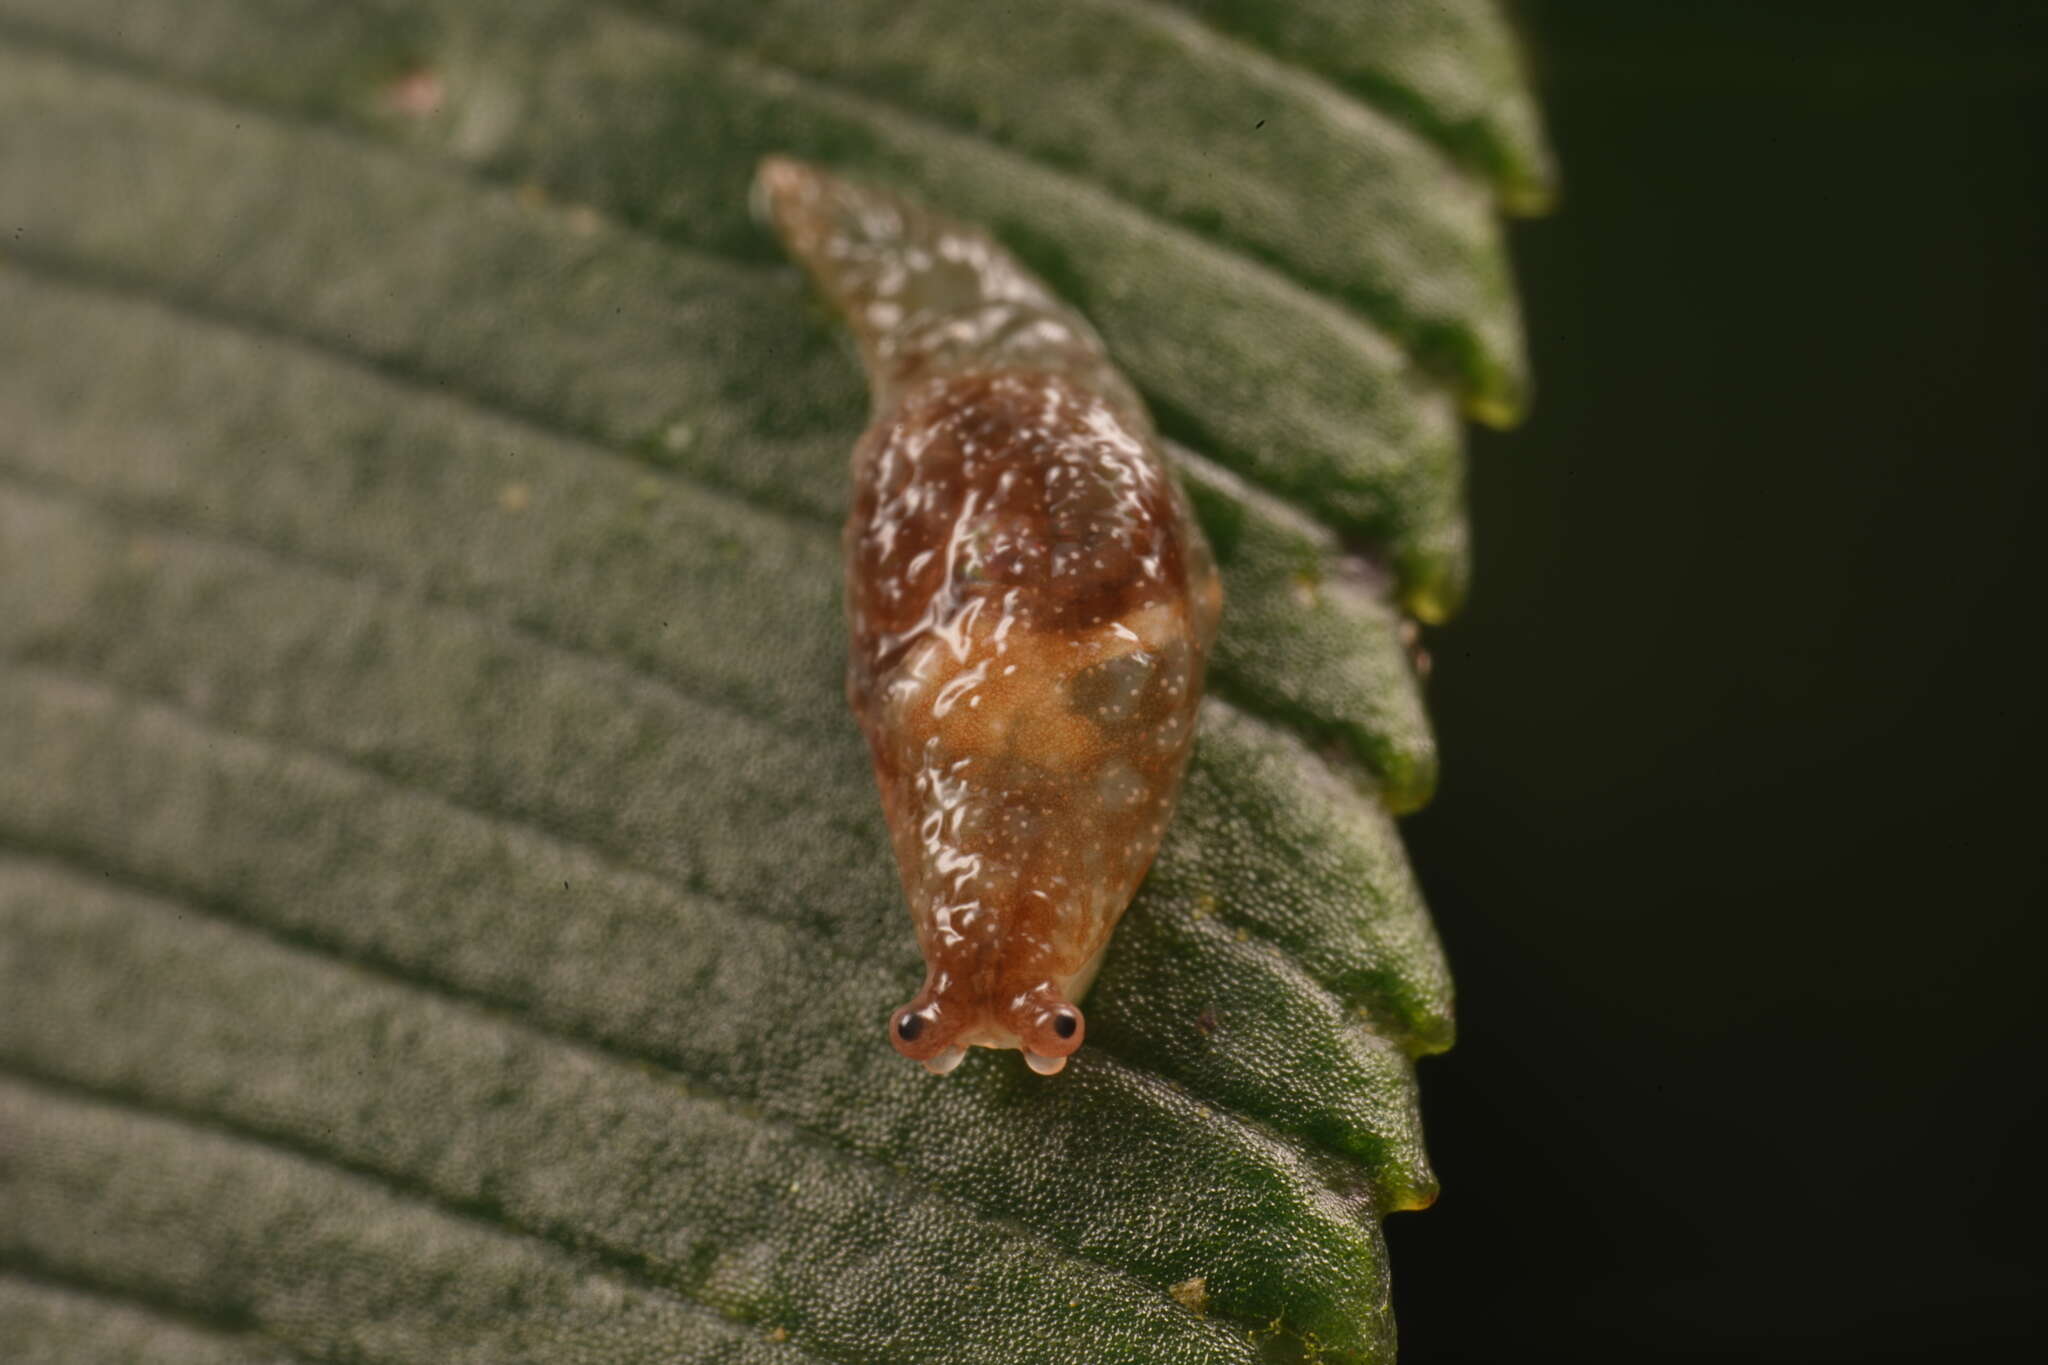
(924, 295)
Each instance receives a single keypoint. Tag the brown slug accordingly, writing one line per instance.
(1031, 606)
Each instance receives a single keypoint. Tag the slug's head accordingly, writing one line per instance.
(940, 1025)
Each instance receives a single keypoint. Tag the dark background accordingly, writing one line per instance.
(1739, 852)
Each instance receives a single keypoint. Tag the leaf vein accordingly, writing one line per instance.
(523, 1015)
(95, 55)
(240, 540)
(155, 1106)
(537, 828)
(35, 1273)
(1362, 101)
(68, 275)
(1269, 265)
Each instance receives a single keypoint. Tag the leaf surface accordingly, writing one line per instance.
(444, 909)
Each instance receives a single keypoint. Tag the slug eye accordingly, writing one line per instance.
(1051, 1035)
(919, 1033)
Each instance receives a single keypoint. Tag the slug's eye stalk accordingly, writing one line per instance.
(1050, 1035)
(916, 1031)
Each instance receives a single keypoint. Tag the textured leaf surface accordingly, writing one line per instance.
(444, 911)
(1449, 68)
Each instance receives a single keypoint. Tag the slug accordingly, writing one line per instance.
(1030, 605)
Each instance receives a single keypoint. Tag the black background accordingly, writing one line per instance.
(1739, 854)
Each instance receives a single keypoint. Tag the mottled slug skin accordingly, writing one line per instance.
(1031, 607)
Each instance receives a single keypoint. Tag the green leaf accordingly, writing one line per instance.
(444, 909)
(1449, 68)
